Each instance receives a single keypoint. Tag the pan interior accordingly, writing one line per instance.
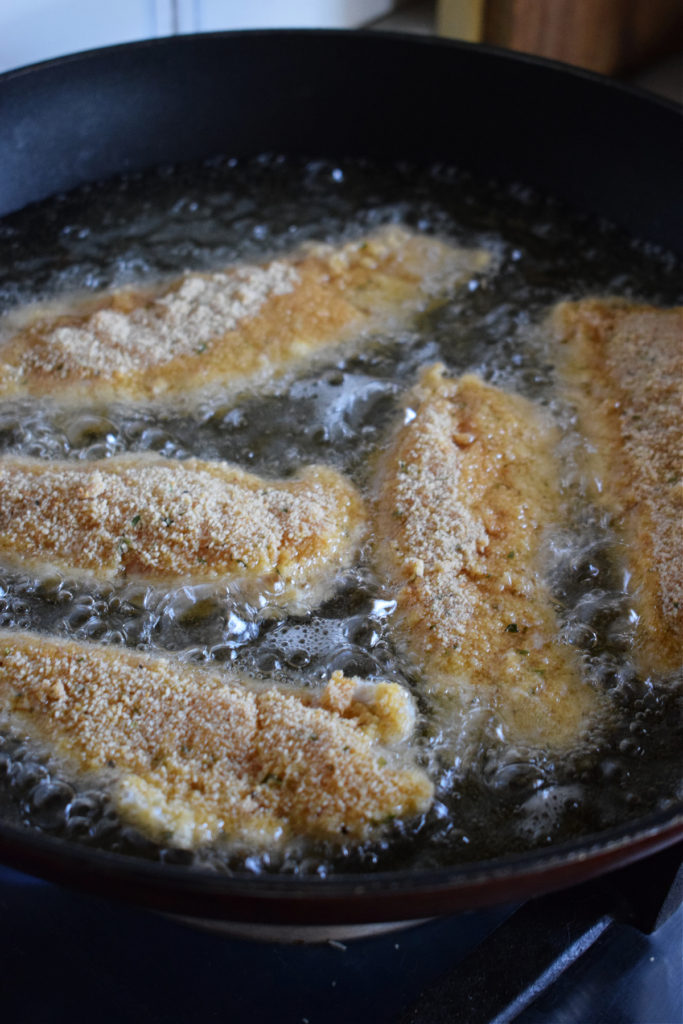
(492, 799)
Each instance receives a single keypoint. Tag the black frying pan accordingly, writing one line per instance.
(602, 148)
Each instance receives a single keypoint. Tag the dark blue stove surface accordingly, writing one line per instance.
(70, 957)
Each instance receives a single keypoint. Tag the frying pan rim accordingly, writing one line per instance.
(513, 56)
(669, 823)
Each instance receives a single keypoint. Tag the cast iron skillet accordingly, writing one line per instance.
(603, 148)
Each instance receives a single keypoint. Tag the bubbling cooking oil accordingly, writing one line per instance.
(492, 796)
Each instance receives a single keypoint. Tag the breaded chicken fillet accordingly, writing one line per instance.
(243, 324)
(624, 365)
(192, 755)
(465, 491)
(191, 521)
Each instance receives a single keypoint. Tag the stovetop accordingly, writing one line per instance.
(606, 952)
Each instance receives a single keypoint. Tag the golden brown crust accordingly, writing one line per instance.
(193, 755)
(163, 520)
(465, 491)
(624, 365)
(232, 327)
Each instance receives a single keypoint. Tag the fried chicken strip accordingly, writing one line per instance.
(165, 520)
(464, 492)
(239, 325)
(192, 755)
(624, 365)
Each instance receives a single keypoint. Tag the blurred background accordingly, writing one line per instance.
(640, 40)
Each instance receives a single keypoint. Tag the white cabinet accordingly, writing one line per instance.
(33, 30)
(213, 15)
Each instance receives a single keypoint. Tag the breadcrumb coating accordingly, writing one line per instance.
(465, 491)
(624, 365)
(236, 326)
(193, 755)
(165, 520)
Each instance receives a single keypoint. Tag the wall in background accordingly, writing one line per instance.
(35, 30)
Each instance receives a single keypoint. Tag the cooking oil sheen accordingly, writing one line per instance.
(492, 797)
